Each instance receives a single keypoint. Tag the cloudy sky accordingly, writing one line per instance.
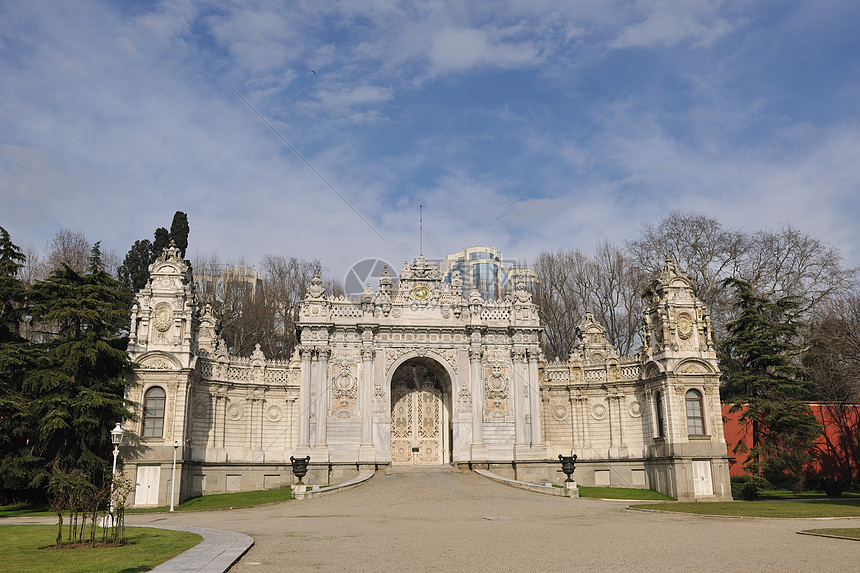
(113, 115)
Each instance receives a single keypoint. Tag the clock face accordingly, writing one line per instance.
(421, 292)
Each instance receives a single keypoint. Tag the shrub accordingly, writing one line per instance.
(748, 487)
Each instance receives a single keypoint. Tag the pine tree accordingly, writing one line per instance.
(764, 382)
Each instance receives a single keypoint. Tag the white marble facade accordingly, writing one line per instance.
(414, 373)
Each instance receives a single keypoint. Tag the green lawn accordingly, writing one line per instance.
(620, 493)
(23, 509)
(788, 494)
(21, 548)
(238, 499)
(833, 507)
(218, 501)
(852, 532)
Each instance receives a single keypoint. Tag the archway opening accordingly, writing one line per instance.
(420, 414)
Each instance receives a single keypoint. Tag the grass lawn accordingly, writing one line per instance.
(852, 532)
(23, 509)
(788, 494)
(833, 507)
(219, 501)
(620, 493)
(226, 500)
(21, 548)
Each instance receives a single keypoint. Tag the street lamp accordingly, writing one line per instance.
(116, 440)
(173, 478)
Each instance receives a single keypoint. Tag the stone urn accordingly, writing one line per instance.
(568, 463)
(300, 468)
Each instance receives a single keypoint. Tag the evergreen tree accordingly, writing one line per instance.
(134, 272)
(73, 385)
(179, 230)
(16, 358)
(764, 382)
(161, 242)
(11, 290)
(96, 263)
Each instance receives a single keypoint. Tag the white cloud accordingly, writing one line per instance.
(349, 97)
(460, 49)
(672, 23)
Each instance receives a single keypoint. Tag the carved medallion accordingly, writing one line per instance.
(163, 319)
(685, 326)
(598, 411)
(234, 412)
(634, 409)
(274, 413)
(200, 408)
(559, 412)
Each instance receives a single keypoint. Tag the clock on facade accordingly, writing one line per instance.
(421, 292)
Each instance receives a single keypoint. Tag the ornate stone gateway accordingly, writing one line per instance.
(417, 416)
(421, 372)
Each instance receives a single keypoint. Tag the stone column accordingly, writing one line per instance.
(322, 396)
(304, 400)
(366, 395)
(584, 414)
(518, 380)
(477, 384)
(535, 399)
(476, 381)
(249, 426)
(366, 450)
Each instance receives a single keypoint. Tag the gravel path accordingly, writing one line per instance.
(459, 521)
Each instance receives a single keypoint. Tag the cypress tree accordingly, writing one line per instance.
(179, 230)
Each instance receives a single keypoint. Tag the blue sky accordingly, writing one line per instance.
(113, 115)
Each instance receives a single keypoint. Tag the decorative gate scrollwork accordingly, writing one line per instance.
(416, 416)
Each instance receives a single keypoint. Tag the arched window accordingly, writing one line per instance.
(661, 418)
(153, 413)
(695, 413)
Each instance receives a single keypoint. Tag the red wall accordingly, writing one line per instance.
(734, 432)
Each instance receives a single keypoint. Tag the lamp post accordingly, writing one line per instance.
(116, 440)
(173, 477)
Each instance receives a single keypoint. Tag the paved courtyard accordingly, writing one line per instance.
(457, 521)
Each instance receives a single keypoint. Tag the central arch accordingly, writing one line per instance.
(421, 431)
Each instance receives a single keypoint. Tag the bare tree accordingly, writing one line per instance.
(34, 268)
(833, 359)
(832, 364)
(703, 248)
(559, 305)
(616, 298)
(788, 262)
(68, 247)
(258, 308)
(286, 280)
(609, 283)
